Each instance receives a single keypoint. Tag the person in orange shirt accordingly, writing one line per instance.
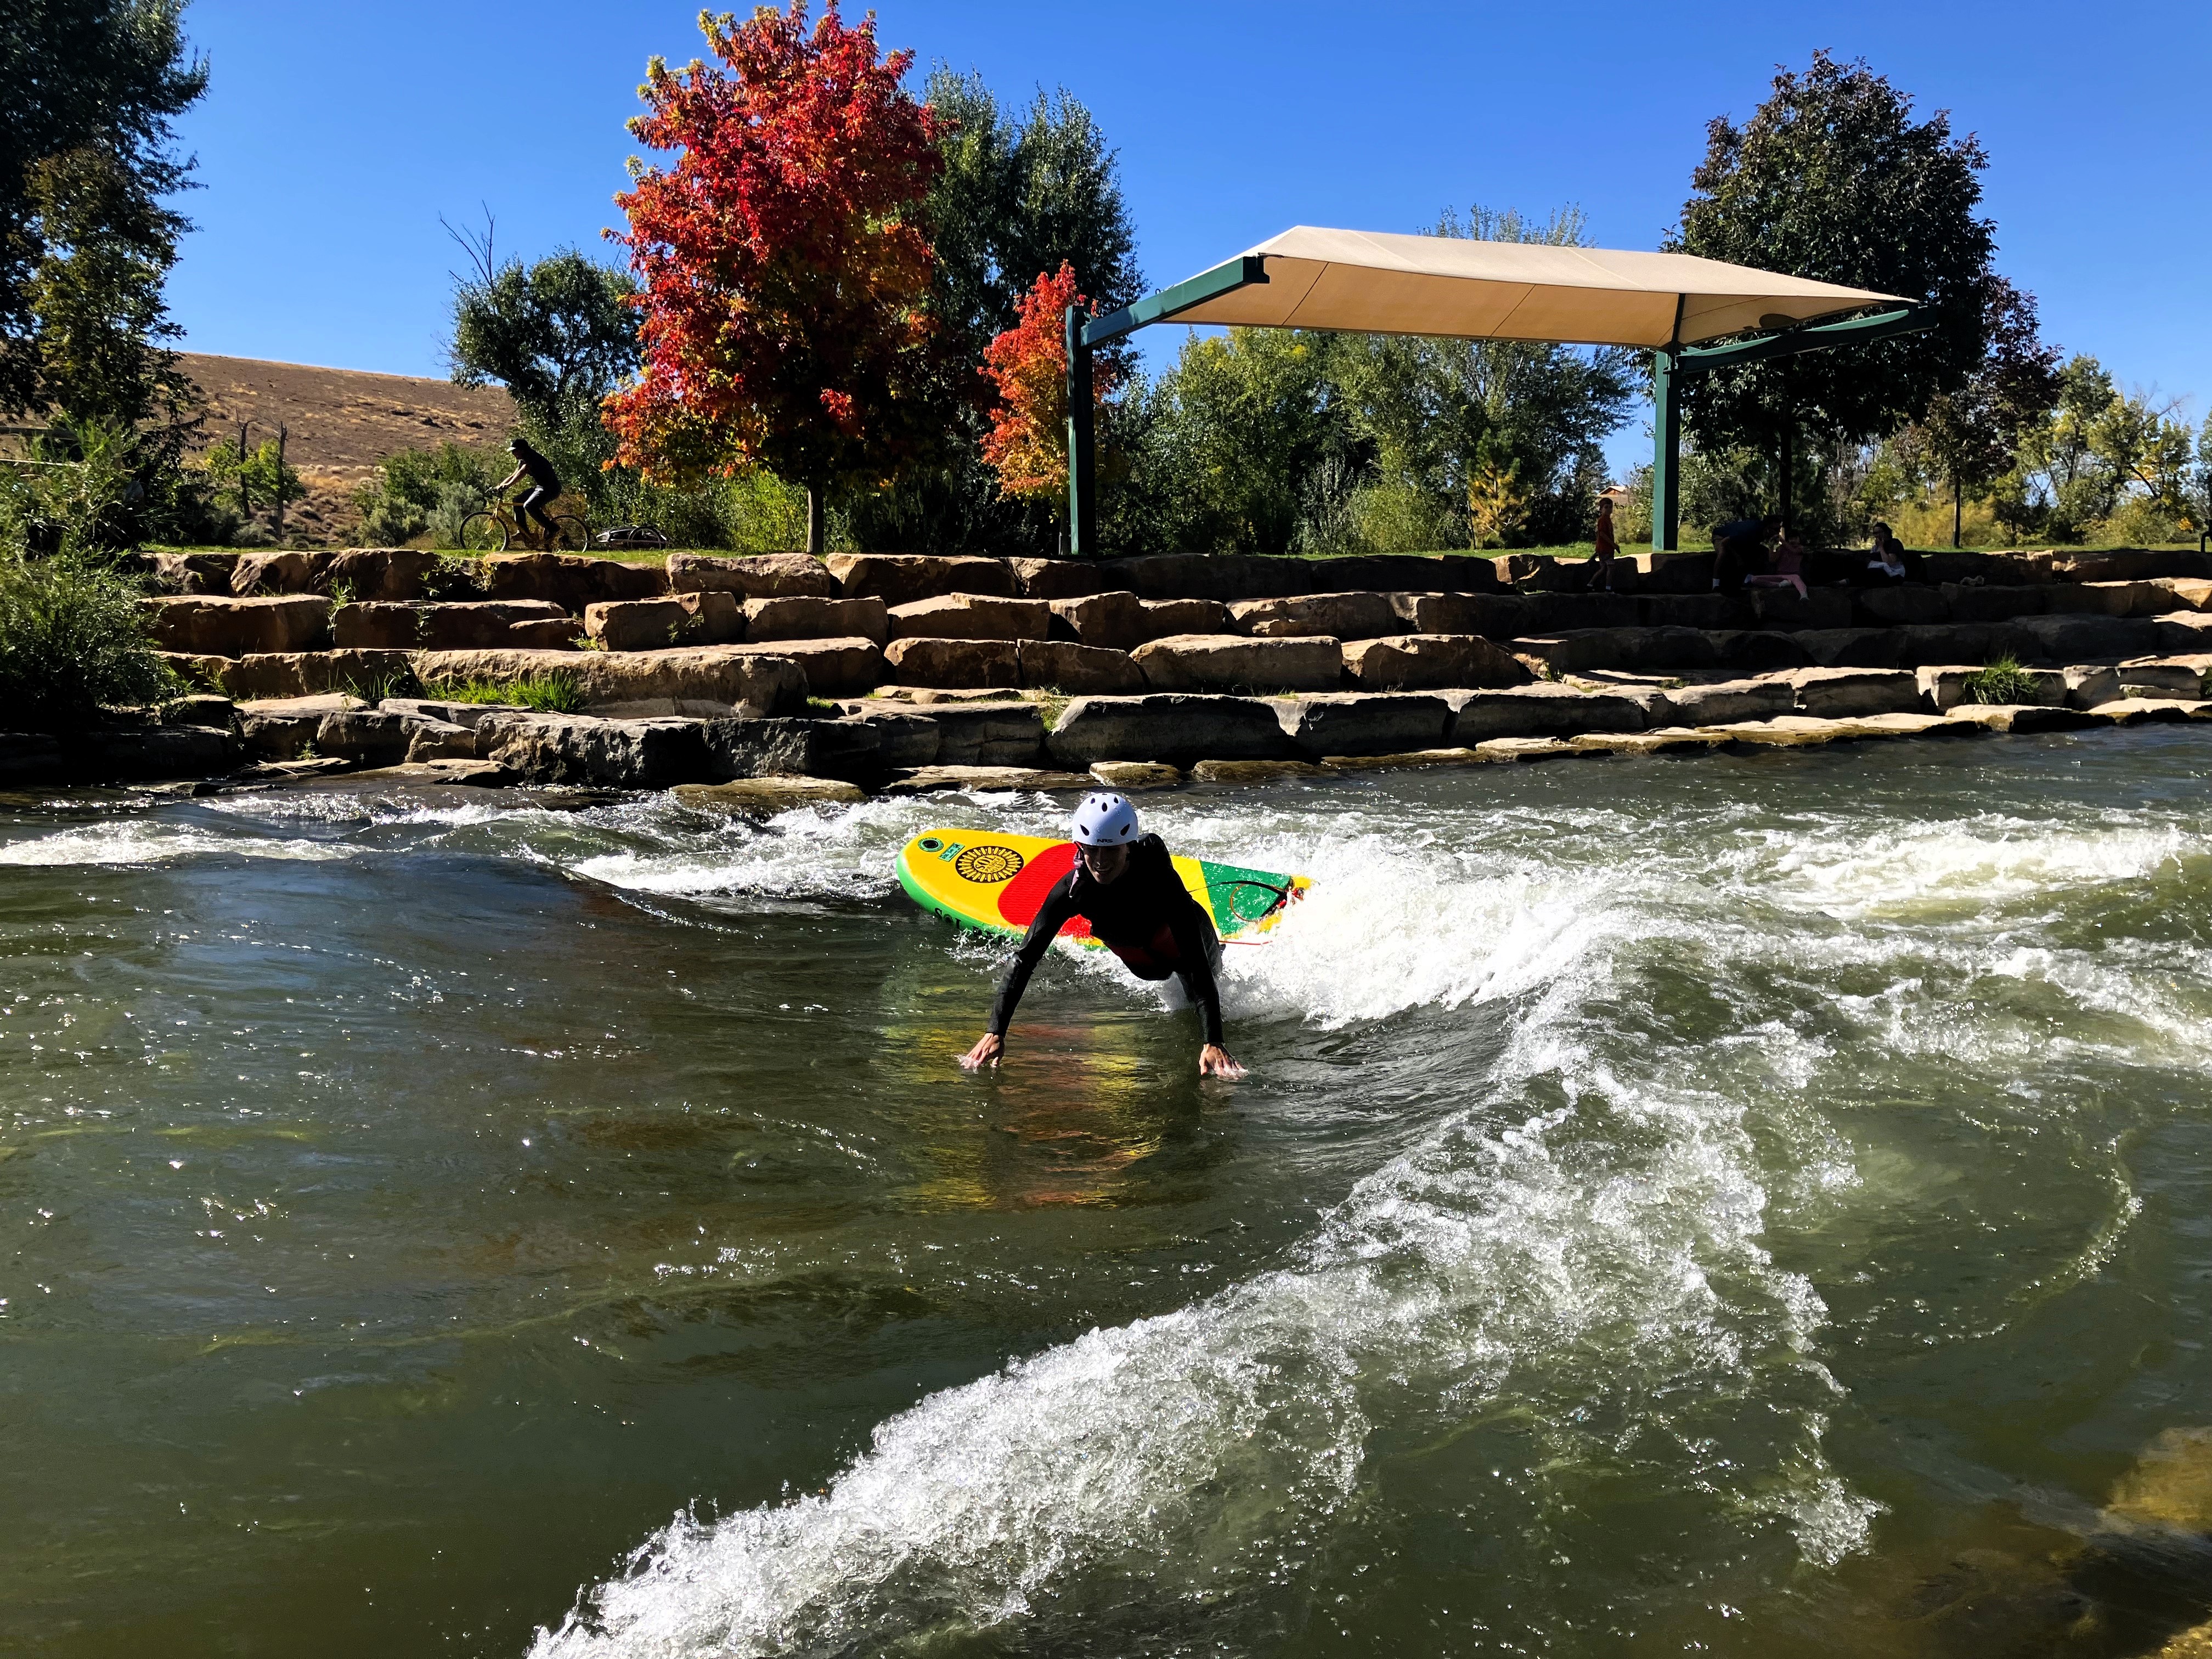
(1607, 550)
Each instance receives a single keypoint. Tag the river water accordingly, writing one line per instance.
(1741, 1205)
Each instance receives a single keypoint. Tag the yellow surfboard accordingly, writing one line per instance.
(981, 878)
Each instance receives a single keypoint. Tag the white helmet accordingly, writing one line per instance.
(1105, 821)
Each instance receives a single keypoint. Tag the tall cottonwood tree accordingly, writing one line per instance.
(1973, 433)
(784, 268)
(1833, 178)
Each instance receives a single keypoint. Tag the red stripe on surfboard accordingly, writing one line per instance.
(1020, 899)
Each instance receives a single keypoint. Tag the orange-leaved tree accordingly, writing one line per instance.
(1028, 440)
(785, 273)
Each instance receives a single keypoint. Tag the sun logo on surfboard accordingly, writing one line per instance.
(987, 866)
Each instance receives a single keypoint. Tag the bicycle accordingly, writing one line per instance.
(495, 530)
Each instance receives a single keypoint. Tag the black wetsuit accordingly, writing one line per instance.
(1148, 918)
(545, 486)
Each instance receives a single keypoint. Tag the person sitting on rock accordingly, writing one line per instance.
(1887, 565)
(544, 488)
(1788, 567)
(1125, 885)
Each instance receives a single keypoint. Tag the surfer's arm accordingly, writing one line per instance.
(1052, 915)
(1191, 931)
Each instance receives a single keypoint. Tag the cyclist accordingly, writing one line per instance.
(545, 488)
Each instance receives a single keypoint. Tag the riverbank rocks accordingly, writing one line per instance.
(310, 673)
(759, 576)
(815, 618)
(900, 579)
(1134, 777)
(1332, 615)
(972, 616)
(1425, 662)
(988, 733)
(936, 780)
(1834, 694)
(570, 581)
(1353, 723)
(1495, 616)
(1076, 670)
(707, 617)
(849, 749)
(278, 728)
(1944, 687)
(1726, 701)
(832, 668)
(1169, 729)
(954, 664)
(702, 680)
(237, 628)
(139, 754)
(1057, 579)
(768, 796)
(1231, 662)
(2091, 685)
(1165, 618)
(2078, 638)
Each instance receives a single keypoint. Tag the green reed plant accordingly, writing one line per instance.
(2003, 681)
(546, 694)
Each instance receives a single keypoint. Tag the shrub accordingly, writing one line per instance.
(548, 694)
(419, 491)
(70, 643)
(2003, 681)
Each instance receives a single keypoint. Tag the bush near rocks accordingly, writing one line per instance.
(72, 642)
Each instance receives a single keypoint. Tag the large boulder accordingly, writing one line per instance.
(1888, 607)
(1946, 686)
(187, 572)
(237, 628)
(1712, 612)
(904, 738)
(278, 728)
(2122, 564)
(759, 576)
(1427, 573)
(569, 580)
(1231, 662)
(2091, 685)
(1542, 711)
(2180, 631)
(988, 733)
(956, 665)
(367, 737)
(1634, 650)
(1176, 730)
(2106, 599)
(1118, 621)
(1426, 662)
(312, 673)
(1980, 603)
(1165, 618)
(1557, 613)
(379, 574)
(580, 748)
(1222, 576)
(1785, 609)
(2078, 638)
(1337, 616)
(834, 668)
(1360, 723)
(29, 756)
(700, 680)
(899, 579)
(813, 617)
(1078, 670)
(385, 625)
(971, 617)
(1727, 703)
(1836, 694)
(289, 572)
(1850, 647)
(139, 754)
(1494, 616)
(848, 748)
(1057, 579)
(695, 618)
(1754, 650)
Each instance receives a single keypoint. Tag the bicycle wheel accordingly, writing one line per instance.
(570, 534)
(483, 532)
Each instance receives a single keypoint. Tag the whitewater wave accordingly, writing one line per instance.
(153, 841)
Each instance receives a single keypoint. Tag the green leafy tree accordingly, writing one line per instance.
(1973, 434)
(2195, 487)
(86, 154)
(559, 335)
(1833, 178)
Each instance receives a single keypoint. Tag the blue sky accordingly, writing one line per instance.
(334, 136)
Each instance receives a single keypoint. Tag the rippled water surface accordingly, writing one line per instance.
(1740, 1205)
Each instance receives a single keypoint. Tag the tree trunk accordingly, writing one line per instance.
(1958, 506)
(814, 519)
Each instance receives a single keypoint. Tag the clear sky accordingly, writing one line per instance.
(334, 136)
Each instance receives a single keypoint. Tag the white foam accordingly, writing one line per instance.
(156, 841)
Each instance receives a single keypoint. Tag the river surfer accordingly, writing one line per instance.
(1125, 885)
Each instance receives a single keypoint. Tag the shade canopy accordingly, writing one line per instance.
(1375, 283)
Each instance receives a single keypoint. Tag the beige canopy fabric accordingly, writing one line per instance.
(1373, 283)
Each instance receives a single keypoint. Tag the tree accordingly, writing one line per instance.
(1833, 180)
(99, 81)
(1973, 433)
(2196, 487)
(559, 335)
(785, 270)
(1027, 445)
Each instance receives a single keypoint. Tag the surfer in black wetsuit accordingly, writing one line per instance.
(1125, 885)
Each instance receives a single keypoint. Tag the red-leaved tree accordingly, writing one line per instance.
(784, 269)
(1028, 440)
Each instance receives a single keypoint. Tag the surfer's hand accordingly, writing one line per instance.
(1213, 1061)
(987, 1051)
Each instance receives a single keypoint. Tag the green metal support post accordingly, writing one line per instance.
(1666, 454)
(1082, 452)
